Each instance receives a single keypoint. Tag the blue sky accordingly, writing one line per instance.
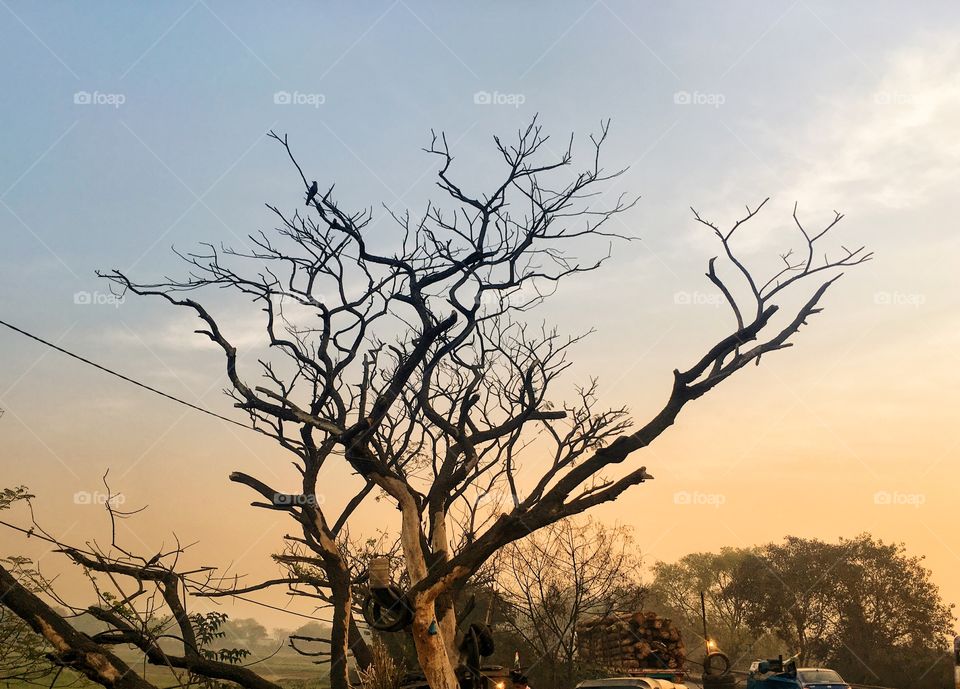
(849, 105)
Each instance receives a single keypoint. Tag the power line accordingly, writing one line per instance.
(121, 376)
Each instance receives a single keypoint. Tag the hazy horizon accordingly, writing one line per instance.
(131, 129)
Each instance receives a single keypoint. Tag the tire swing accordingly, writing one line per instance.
(386, 607)
(716, 671)
(477, 644)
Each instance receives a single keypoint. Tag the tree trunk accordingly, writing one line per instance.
(70, 648)
(432, 649)
(339, 634)
(444, 609)
(436, 651)
(446, 614)
(361, 649)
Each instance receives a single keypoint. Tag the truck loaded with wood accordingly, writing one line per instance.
(646, 646)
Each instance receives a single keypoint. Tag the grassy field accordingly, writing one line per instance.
(287, 669)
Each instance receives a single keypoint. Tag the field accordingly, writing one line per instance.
(287, 669)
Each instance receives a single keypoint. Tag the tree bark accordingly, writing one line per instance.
(432, 649)
(70, 648)
(361, 649)
(446, 616)
(444, 609)
(339, 634)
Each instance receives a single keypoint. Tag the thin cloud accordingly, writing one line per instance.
(893, 146)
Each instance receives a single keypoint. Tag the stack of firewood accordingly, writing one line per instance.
(642, 641)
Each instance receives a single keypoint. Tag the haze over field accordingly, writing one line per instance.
(131, 129)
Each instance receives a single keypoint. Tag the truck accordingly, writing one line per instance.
(777, 673)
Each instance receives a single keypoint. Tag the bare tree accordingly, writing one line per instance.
(319, 563)
(307, 578)
(413, 363)
(559, 577)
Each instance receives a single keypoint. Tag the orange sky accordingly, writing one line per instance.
(852, 430)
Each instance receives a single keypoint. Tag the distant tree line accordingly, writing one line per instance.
(863, 607)
(860, 606)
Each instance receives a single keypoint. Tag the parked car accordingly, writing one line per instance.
(780, 674)
(629, 683)
(822, 678)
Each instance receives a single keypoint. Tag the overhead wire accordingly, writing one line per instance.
(121, 376)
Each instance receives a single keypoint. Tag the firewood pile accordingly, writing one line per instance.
(641, 641)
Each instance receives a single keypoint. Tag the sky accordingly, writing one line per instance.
(129, 129)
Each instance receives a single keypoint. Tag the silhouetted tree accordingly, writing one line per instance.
(408, 358)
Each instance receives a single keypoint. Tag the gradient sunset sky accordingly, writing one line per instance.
(131, 128)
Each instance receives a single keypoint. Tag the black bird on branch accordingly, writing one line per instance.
(311, 192)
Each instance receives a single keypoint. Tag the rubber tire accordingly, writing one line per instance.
(709, 664)
(485, 643)
(388, 618)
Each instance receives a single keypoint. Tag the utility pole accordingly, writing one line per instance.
(956, 662)
(703, 616)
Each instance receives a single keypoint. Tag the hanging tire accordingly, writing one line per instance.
(388, 610)
(717, 663)
(485, 642)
